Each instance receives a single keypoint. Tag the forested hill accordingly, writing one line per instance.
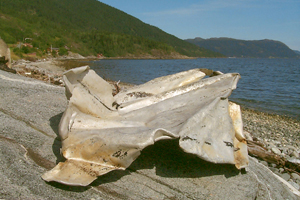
(87, 27)
(246, 48)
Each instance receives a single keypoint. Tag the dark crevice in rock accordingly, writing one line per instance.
(14, 116)
(38, 159)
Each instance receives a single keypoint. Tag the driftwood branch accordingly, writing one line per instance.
(258, 150)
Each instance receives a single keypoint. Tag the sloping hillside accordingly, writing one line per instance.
(87, 27)
(246, 48)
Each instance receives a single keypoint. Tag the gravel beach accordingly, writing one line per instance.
(279, 134)
(282, 131)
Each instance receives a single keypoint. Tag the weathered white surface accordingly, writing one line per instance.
(102, 133)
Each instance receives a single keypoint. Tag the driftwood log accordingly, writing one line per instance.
(257, 149)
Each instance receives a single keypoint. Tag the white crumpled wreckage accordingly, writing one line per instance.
(101, 132)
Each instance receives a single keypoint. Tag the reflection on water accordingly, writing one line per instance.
(271, 85)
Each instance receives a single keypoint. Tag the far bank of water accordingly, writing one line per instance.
(268, 85)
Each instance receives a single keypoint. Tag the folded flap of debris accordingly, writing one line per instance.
(101, 132)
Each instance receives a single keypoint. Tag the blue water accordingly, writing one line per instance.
(269, 85)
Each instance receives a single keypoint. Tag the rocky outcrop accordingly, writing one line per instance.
(44, 70)
(30, 111)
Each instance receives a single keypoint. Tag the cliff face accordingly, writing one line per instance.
(246, 48)
(30, 111)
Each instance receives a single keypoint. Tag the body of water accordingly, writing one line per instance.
(268, 85)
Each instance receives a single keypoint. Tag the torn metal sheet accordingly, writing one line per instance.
(101, 132)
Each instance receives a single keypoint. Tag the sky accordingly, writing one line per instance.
(239, 19)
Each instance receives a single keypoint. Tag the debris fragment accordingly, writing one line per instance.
(102, 132)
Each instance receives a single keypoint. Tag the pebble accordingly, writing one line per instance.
(276, 151)
(286, 151)
(295, 176)
(273, 165)
(291, 147)
(285, 176)
(275, 170)
(247, 135)
(276, 142)
(295, 154)
(281, 170)
(270, 145)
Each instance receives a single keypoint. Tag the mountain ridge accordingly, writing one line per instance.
(231, 47)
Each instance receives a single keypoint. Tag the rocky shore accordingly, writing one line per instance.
(280, 135)
(34, 103)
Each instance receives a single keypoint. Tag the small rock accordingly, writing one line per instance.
(273, 165)
(295, 185)
(248, 135)
(276, 151)
(295, 176)
(291, 147)
(295, 154)
(281, 170)
(285, 176)
(286, 151)
(278, 174)
(275, 170)
(271, 145)
(276, 142)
